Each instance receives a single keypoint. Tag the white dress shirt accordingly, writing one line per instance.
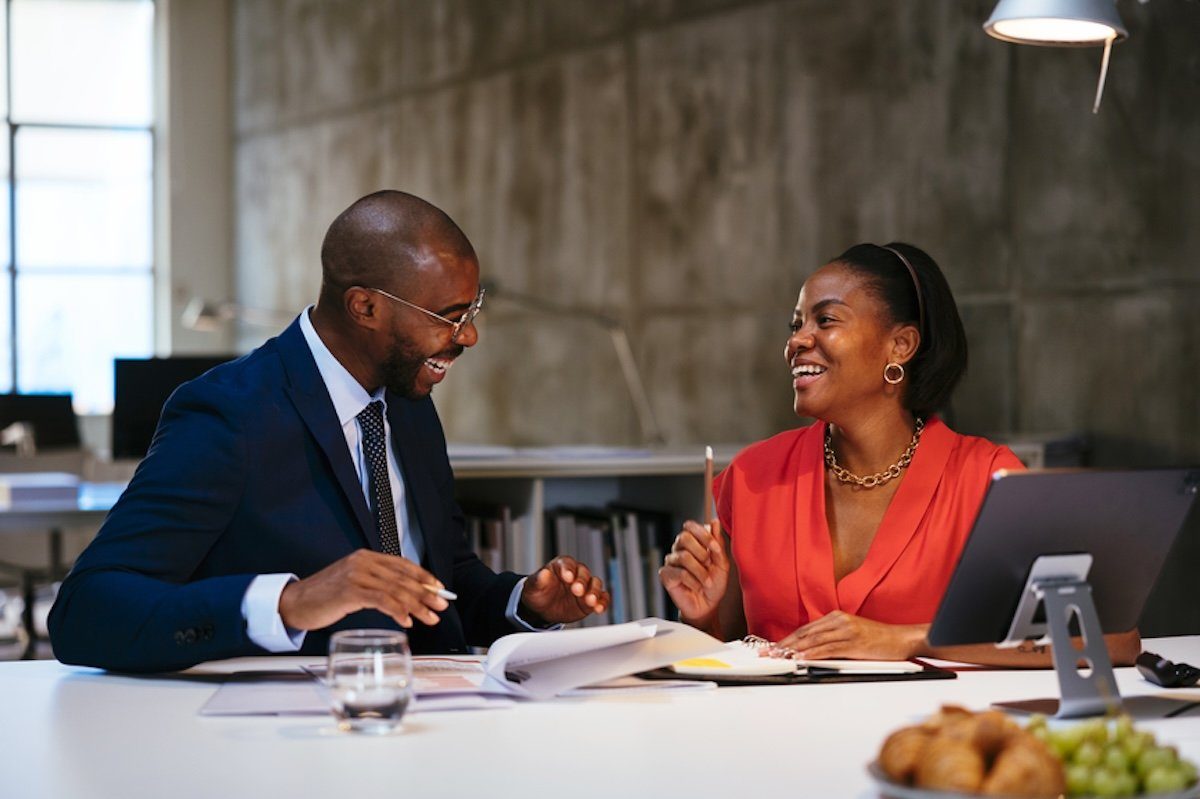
(260, 603)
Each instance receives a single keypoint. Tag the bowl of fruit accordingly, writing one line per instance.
(957, 753)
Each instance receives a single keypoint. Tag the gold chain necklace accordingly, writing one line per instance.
(879, 478)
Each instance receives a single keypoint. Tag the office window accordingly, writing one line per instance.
(76, 216)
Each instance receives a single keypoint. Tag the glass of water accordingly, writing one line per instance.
(370, 679)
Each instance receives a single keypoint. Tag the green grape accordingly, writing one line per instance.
(1164, 779)
(1116, 758)
(1089, 753)
(1079, 779)
(1137, 742)
(1122, 729)
(1188, 769)
(1106, 782)
(1036, 721)
(1153, 757)
(1095, 730)
(1127, 783)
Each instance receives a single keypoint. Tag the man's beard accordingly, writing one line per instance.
(403, 363)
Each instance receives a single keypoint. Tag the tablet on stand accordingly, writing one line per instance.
(1061, 553)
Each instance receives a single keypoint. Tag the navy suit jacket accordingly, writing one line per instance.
(249, 474)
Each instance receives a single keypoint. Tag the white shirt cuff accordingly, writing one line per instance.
(260, 609)
(514, 601)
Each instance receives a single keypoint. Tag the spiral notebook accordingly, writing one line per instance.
(757, 661)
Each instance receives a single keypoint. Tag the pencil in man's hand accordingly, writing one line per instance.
(449, 596)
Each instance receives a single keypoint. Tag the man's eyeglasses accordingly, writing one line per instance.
(456, 325)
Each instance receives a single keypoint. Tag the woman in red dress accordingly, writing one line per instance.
(844, 533)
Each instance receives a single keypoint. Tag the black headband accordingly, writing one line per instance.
(916, 285)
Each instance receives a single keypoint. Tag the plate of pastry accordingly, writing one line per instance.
(956, 753)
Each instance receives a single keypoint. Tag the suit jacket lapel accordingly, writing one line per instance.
(903, 516)
(421, 493)
(307, 392)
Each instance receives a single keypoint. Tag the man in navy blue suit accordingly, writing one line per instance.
(305, 487)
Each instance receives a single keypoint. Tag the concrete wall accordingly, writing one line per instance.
(683, 166)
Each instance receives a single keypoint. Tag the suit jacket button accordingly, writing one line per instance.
(190, 635)
(179, 639)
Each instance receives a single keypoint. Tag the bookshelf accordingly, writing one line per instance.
(523, 491)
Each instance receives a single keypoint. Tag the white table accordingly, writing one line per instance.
(80, 733)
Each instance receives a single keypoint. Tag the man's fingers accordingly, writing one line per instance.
(394, 566)
(583, 578)
(595, 590)
(564, 568)
(603, 600)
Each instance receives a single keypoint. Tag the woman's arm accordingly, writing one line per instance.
(1123, 649)
(843, 635)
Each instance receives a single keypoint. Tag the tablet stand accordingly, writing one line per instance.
(1059, 582)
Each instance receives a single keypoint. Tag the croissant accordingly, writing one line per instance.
(1025, 768)
(902, 751)
(948, 764)
(988, 732)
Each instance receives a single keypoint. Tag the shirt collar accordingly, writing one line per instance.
(348, 395)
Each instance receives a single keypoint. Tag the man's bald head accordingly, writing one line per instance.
(383, 239)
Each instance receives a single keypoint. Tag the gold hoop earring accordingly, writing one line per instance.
(888, 369)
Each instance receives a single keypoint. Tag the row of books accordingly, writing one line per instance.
(623, 546)
(497, 537)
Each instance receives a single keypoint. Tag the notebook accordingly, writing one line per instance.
(756, 661)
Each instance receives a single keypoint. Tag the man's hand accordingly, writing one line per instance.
(696, 571)
(564, 590)
(842, 635)
(362, 579)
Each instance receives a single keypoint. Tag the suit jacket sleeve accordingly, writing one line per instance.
(131, 602)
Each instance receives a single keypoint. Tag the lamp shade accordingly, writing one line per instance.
(1056, 23)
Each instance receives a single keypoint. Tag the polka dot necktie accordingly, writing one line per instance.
(371, 422)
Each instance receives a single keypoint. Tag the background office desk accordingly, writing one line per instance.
(91, 504)
(81, 733)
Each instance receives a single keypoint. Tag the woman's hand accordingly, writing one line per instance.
(696, 571)
(841, 635)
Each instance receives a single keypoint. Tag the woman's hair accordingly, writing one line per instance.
(941, 359)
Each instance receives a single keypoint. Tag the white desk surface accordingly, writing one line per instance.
(80, 733)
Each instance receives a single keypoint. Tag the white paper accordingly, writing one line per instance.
(522, 649)
(297, 694)
(542, 665)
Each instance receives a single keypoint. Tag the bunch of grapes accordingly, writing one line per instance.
(1114, 759)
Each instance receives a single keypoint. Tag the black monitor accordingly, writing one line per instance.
(51, 415)
(140, 388)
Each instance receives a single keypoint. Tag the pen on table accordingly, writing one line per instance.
(708, 479)
(442, 592)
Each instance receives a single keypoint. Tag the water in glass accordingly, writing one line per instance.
(370, 679)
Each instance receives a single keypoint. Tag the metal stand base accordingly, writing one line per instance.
(1085, 675)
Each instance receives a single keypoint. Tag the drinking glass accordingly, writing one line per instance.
(370, 679)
